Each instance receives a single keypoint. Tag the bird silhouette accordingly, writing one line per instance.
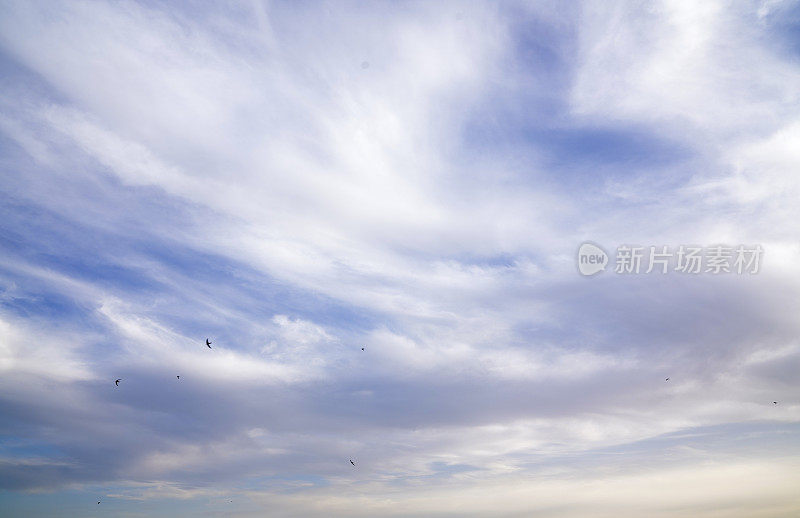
(351, 462)
(208, 343)
(116, 382)
(774, 402)
(362, 348)
(179, 377)
(666, 379)
(98, 503)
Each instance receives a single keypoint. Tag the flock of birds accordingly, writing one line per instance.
(209, 342)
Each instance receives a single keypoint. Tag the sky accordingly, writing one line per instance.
(296, 181)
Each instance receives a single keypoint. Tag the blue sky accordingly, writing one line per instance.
(296, 181)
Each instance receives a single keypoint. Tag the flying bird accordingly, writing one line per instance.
(208, 343)
(98, 503)
(351, 462)
(116, 382)
(179, 377)
(362, 348)
(666, 379)
(774, 402)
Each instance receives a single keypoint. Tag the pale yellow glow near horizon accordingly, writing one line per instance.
(732, 490)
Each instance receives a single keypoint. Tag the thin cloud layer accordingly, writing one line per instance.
(171, 174)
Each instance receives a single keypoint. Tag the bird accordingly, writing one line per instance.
(208, 343)
(179, 377)
(351, 462)
(666, 379)
(774, 402)
(362, 348)
(116, 382)
(98, 502)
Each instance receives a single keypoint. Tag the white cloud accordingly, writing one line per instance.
(235, 173)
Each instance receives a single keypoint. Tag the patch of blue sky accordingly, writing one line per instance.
(782, 24)
(530, 120)
(124, 266)
(14, 447)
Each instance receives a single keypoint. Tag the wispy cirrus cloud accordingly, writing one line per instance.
(300, 181)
